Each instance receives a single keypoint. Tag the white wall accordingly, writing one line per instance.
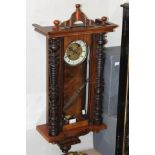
(43, 12)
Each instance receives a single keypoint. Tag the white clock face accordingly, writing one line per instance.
(76, 53)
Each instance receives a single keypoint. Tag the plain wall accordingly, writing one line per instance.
(44, 12)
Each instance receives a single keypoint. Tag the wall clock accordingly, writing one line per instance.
(75, 84)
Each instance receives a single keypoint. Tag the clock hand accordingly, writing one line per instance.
(71, 100)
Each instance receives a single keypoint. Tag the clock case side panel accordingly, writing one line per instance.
(57, 75)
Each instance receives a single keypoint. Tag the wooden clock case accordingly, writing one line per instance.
(58, 38)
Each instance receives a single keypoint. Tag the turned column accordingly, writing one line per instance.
(53, 99)
(99, 89)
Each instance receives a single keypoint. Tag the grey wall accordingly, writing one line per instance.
(104, 141)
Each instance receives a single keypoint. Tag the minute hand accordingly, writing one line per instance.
(71, 100)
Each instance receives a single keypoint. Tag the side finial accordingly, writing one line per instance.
(104, 19)
(56, 25)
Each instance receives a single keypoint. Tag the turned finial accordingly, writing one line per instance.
(56, 24)
(77, 6)
(104, 19)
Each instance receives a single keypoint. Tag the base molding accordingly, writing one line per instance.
(69, 137)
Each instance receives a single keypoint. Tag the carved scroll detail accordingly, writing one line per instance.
(53, 99)
(100, 58)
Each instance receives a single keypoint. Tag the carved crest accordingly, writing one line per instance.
(77, 16)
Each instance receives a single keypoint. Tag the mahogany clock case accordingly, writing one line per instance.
(63, 80)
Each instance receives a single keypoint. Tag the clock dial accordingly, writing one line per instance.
(76, 53)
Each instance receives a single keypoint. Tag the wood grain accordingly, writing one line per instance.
(76, 132)
(73, 78)
(75, 125)
(48, 30)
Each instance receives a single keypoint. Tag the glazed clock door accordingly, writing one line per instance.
(76, 77)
